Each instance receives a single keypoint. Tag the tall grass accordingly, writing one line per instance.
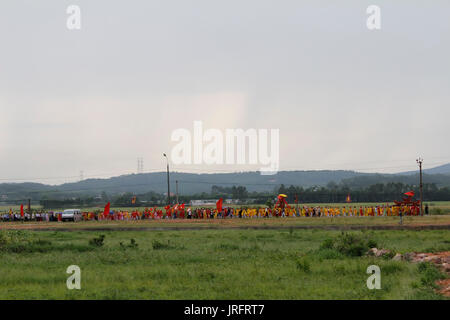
(211, 264)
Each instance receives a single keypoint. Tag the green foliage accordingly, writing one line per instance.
(157, 245)
(328, 254)
(349, 244)
(430, 274)
(303, 265)
(371, 243)
(15, 241)
(97, 242)
(227, 246)
(132, 245)
(327, 244)
(437, 211)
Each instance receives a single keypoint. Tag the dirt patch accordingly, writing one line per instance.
(116, 227)
(444, 286)
(442, 261)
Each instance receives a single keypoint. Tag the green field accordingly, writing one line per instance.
(221, 263)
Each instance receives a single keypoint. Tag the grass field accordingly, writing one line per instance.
(221, 263)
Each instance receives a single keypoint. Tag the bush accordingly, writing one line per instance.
(327, 244)
(430, 274)
(97, 242)
(132, 245)
(157, 245)
(372, 243)
(349, 244)
(304, 266)
(12, 237)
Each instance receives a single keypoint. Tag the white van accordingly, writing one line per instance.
(71, 215)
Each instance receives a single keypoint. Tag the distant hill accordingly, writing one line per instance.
(443, 169)
(188, 183)
(191, 183)
(440, 180)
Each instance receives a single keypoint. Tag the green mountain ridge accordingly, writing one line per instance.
(192, 183)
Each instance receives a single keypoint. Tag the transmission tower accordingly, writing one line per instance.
(140, 165)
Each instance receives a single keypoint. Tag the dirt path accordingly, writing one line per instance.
(117, 227)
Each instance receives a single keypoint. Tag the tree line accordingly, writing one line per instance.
(331, 193)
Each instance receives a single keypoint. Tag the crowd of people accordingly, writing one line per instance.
(182, 212)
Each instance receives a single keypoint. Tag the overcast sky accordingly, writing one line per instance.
(343, 97)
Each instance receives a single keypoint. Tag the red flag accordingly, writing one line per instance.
(21, 210)
(107, 208)
(410, 194)
(219, 204)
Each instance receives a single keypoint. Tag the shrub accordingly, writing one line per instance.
(372, 243)
(304, 266)
(132, 245)
(157, 245)
(97, 242)
(430, 274)
(349, 244)
(327, 244)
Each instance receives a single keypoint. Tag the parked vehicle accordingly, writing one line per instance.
(71, 215)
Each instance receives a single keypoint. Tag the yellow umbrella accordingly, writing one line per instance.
(283, 195)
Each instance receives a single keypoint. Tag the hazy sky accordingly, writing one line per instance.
(343, 97)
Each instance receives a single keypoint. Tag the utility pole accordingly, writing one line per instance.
(168, 180)
(419, 162)
(176, 183)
